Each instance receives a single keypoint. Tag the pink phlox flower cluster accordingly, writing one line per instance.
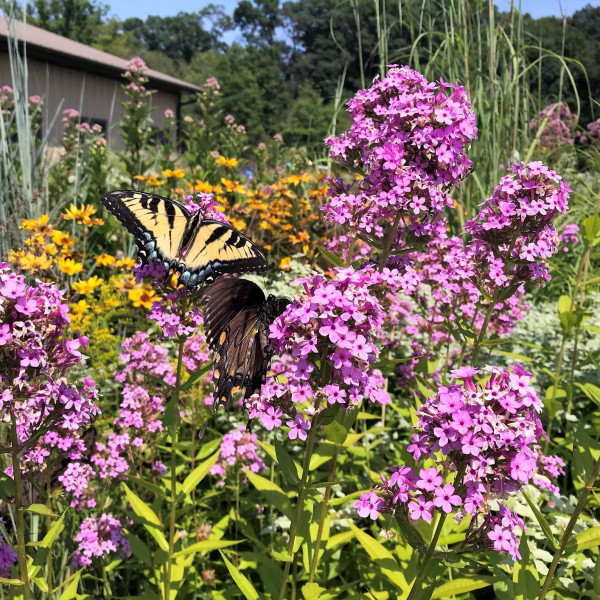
(166, 313)
(496, 532)
(409, 137)
(559, 129)
(207, 205)
(196, 353)
(513, 234)
(569, 237)
(141, 411)
(36, 353)
(8, 558)
(549, 468)
(76, 481)
(333, 328)
(238, 448)
(488, 429)
(98, 538)
(140, 355)
(340, 245)
(594, 129)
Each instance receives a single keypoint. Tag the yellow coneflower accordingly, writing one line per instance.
(69, 266)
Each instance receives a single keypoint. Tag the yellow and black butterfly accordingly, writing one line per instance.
(237, 317)
(198, 249)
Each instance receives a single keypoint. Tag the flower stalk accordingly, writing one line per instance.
(589, 484)
(173, 468)
(18, 505)
(310, 443)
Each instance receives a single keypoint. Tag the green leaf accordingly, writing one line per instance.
(13, 581)
(241, 580)
(199, 473)
(526, 583)
(541, 520)
(591, 228)
(591, 391)
(287, 464)
(336, 261)
(567, 317)
(7, 487)
(584, 540)
(195, 376)
(41, 509)
(328, 415)
(462, 586)
(53, 532)
(206, 546)
(586, 451)
(272, 492)
(335, 432)
(313, 591)
(150, 521)
(382, 557)
(70, 590)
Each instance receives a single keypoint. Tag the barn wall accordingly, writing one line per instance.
(94, 96)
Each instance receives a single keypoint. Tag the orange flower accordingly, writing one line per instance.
(62, 239)
(125, 263)
(233, 186)
(82, 214)
(284, 263)
(35, 224)
(177, 174)
(144, 296)
(227, 162)
(105, 260)
(69, 266)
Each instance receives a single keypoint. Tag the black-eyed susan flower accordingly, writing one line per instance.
(227, 162)
(88, 286)
(144, 296)
(69, 266)
(105, 260)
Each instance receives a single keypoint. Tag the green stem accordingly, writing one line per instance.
(49, 574)
(324, 505)
(310, 443)
(589, 484)
(19, 520)
(582, 267)
(107, 590)
(417, 583)
(174, 433)
(389, 241)
(482, 332)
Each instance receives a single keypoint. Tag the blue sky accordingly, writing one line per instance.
(143, 8)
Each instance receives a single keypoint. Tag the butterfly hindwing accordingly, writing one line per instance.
(234, 357)
(198, 249)
(237, 318)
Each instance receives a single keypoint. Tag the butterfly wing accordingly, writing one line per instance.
(159, 225)
(215, 248)
(231, 316)
(195, 248)
(237, 318)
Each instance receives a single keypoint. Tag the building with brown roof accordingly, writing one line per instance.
(68, 74)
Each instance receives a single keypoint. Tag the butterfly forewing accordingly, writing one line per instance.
(225, 248)
(197, 249)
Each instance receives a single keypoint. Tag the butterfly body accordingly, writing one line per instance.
(237, 317)
(196, 248)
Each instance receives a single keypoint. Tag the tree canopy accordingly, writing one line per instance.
(282, 66)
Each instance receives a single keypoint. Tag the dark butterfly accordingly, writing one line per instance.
(198, 249)
(236, 320)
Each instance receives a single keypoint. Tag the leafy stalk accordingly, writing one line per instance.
(18, 505)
